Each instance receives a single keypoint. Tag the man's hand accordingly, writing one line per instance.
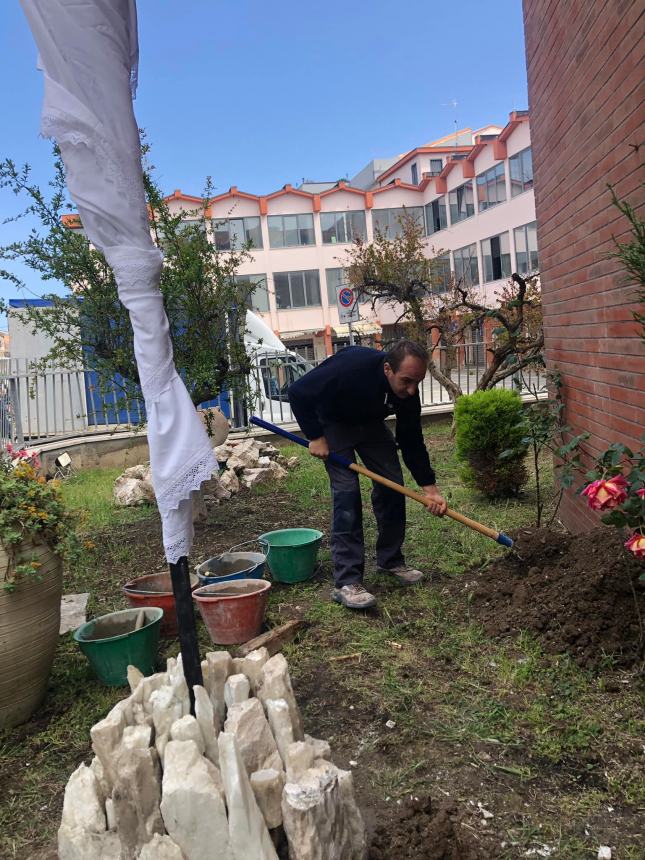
(435, 503)
(319, 448)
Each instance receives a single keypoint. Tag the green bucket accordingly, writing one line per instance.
(111, 643)
(292, 553)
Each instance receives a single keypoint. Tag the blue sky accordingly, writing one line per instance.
(257, 93)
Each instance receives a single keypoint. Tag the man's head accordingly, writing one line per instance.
(406, 365)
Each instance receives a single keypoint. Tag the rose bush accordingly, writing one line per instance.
(616, 487)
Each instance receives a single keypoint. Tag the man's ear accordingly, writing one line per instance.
(387, 367)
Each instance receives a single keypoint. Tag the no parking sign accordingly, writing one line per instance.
(347, 304)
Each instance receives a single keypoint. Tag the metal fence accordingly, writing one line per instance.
(38, 405)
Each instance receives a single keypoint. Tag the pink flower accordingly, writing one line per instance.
(641, 493)
(636, 544)
(605, 495)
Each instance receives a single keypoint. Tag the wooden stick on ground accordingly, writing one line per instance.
(272, 640)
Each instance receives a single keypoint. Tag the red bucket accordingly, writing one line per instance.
(233, 611)
(155, 589)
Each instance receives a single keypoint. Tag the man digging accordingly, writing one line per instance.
(340, 407)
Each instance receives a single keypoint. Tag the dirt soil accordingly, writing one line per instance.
(425, 831)
(576, 593)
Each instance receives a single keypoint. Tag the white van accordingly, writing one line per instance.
(274, 369)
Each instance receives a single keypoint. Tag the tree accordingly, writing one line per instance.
(87, 325)
(398, 272)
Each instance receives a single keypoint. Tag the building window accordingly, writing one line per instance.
(497, 257)
(335, 278)
(342, 227)
(415, 174)
(521, 170)
(388, 221)
(297, 289)
(436, 218)
(442, 274)
(436, 166)
(526, 249)
(231, 234)
(258, 300)
(288, 230)
(461, 202)
(491, 187)
(466, 267)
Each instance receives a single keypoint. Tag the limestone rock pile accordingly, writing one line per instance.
(248, 462)
(231, 783)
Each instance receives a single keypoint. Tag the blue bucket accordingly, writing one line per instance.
(232, 565)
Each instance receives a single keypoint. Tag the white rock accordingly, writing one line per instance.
(134, 487)
(236, 690)
(238, 663)
(229, 481)
(313, 817)
(192, 806)
(97, 769)
(206, 676)
(604, 852)
(136, 797)
(149, 685)
(77, 844)
(321, 748)
(251, 477)
(110, 814)
(292, 462)
(300, 757)
(208, 723)
(106, 738)
(255, 742)
(248, 833)
(220, 666)
(136, 737)
(161, 848)
(135, 676)
(165, 710)
(276, 684)
(83, 802)
(267, 787)
(280, 722)
(252, 666)
(277, 471)
(187, 729)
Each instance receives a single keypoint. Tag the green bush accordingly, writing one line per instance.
(489, 423)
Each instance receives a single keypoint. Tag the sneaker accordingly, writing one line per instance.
(354, 596)
(406, 575)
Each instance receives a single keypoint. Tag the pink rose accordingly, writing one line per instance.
(641, 493)
(605, 495)
(636, 544)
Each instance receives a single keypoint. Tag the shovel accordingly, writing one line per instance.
(499, 537)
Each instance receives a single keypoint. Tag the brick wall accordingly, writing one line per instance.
(585, 61)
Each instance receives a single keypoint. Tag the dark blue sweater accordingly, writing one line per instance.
(351, 387)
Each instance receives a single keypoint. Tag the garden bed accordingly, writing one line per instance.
(501, 745)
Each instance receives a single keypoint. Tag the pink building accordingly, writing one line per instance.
(472, 191)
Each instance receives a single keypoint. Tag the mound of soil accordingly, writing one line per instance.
(424, 831)
(572, 591)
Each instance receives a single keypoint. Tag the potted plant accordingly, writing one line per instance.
(36, 531)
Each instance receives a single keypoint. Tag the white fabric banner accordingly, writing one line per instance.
(89, 55)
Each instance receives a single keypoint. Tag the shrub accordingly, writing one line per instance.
(489, 423)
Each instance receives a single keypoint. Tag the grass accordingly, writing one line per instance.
(468, 711)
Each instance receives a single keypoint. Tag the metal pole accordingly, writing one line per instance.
(351, 333)
(187, 628)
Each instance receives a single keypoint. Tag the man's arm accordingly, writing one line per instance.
(409, 437)
(307, 395)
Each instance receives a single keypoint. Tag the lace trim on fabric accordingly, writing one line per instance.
(198, 469)
(178, 546)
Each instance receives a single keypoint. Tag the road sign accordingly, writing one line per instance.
(347, 304)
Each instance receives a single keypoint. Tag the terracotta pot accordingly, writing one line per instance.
(29, 625)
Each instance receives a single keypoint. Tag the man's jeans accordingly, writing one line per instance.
(375, 445)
